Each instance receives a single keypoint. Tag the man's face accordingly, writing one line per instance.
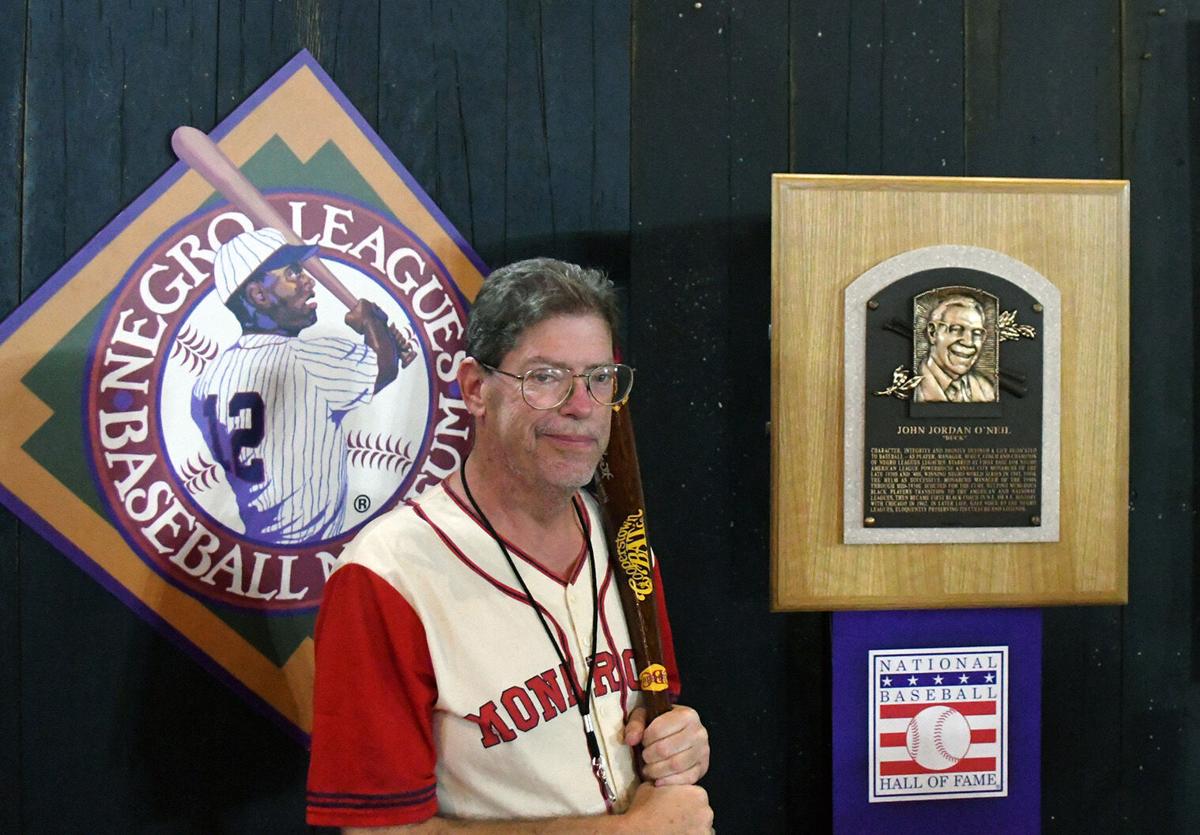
(555, 449)
(287, 297)
(955, 341)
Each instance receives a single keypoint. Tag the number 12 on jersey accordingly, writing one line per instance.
(248, 437)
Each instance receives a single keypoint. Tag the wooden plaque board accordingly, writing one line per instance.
(829, 230)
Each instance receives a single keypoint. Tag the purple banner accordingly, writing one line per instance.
(937, 720)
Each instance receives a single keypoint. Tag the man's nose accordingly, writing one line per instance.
(579, 400)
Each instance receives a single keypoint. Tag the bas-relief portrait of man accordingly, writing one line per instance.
(955, 346)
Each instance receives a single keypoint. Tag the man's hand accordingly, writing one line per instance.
(682, 809)
(356, 317)
(674, 747)
(367, 318)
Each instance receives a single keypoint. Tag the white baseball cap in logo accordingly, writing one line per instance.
(259, 249)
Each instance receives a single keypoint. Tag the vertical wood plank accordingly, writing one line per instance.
(709, 111)
(921, 111)
(612, 37)
(12, 118)
(1042, 100)
(679, 294)
(541, 191)
(254, 39)
(785, 750)
(408, 89)
(1156, 731)
(1190, 764)
(257, 37)
(560, 159)
(167, 80)
(864, 89)
(877, 87)
(453, 130)
(350, 37)
(1042, 90)
(821, 54)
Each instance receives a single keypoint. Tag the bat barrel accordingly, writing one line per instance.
(624, 507)
(203, 156)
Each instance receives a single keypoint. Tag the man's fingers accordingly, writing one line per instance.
(675, 748)
(635, 726)
(678, 720)
(683, 768)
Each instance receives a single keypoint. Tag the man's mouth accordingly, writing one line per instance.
(963, 352)
(570, 439)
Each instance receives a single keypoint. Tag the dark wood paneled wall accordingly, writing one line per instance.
(639, 137)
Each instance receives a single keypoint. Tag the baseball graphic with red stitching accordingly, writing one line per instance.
(938, 737)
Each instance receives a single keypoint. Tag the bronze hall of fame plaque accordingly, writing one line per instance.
(953, 415)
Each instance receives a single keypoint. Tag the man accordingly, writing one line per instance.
(454, 638)
(956, 334)
(272, 405)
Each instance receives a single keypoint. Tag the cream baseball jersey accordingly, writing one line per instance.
(438, 691)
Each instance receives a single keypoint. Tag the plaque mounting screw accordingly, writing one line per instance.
(1035, 520)
(1037, 308)
(870, 520)
(873, 305)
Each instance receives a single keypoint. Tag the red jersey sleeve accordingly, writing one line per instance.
(373, 754)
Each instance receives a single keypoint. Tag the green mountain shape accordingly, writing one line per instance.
(275, 168)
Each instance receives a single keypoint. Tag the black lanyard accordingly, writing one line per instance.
(583, 702)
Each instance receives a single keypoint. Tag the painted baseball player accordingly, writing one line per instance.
(473, 662)
(271, 406)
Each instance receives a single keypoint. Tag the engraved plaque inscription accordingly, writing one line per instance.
(947, 421)
(953, 411)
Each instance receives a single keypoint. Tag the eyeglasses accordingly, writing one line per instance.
(549, 388)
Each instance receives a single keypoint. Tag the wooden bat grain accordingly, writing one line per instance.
(620, 495)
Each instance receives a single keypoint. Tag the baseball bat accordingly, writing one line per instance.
(619, 491)
(204, 157)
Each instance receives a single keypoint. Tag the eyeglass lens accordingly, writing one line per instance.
(546, 388)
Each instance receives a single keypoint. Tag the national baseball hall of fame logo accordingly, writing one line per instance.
(938, 723)
(211, 398)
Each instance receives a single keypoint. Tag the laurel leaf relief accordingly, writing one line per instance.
(902, 383)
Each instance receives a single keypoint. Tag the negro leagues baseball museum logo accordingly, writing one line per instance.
(239, 443)
(938, 723)
(248, 364)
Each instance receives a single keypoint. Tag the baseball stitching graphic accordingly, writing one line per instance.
(938, 737)
(378, 451)
(193, 350)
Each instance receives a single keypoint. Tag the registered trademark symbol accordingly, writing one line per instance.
(362, 504)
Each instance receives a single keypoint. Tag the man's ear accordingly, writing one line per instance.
(256, 294)
(471, 376)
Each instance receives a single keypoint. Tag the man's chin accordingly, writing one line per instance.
(572, 476)
(305, 322)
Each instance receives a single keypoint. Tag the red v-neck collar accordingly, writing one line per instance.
(572, 573)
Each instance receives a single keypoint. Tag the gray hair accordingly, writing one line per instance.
(518, 296)
(939, 313)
